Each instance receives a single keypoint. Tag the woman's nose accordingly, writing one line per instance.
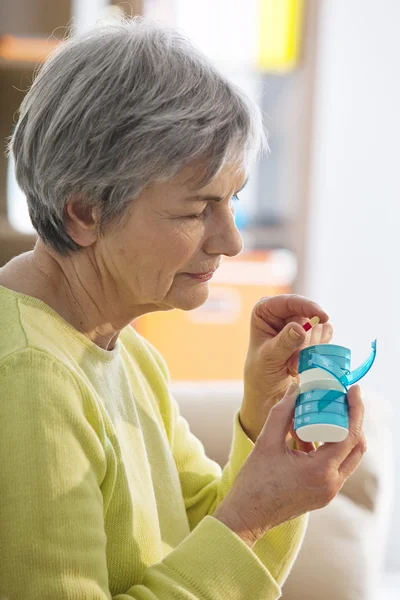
(225, 238)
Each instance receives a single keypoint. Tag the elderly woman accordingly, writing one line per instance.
(130, 148)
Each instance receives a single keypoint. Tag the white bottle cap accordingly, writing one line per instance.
(323, 432)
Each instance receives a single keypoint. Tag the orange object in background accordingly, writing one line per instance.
(210, 342)
(24, 48)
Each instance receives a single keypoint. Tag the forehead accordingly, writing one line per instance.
(230, 179)
(187, 183)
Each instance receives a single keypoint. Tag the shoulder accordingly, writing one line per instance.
(37, 362)
(49, 415)
(36, 387)
(34, 376)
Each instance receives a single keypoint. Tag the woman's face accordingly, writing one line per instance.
(171, 233)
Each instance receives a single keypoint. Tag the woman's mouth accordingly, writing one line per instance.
(201, 276)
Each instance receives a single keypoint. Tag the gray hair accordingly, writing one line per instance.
(117, 108)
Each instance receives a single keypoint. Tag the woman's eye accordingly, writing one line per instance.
(197, 216)
(202, 215)
(235, 198)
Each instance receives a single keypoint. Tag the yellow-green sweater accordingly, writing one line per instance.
(105, 492)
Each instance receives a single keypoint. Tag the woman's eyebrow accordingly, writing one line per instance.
(204, 197)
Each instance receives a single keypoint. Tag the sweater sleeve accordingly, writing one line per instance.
(52, 536)
(204, 484)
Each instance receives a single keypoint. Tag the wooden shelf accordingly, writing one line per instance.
(16, 51)
(29, 31)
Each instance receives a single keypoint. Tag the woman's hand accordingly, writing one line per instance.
(277, 484)
(276, 338)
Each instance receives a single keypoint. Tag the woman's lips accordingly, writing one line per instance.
(201, 276)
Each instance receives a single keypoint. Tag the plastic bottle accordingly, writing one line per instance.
(322, 411)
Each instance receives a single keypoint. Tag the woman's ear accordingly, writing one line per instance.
(82, 221)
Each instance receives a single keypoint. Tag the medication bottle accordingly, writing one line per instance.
(322, 411)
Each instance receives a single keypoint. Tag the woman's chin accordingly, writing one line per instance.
(189, 299)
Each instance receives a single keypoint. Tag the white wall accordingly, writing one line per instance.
(354, 227)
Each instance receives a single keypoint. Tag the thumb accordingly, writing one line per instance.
(288, 340)
(280, 418)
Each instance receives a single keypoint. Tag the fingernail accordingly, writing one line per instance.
(294, 335)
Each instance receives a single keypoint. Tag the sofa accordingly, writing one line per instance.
(343, 551)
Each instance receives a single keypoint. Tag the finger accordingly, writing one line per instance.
(293, 362)
(277, 425)
(287, 341)
(277, 309)
(339, 451)
(302, 446)
(327, 333)
(321, 334)
(350, 464)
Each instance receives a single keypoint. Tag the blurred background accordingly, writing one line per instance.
(320, 215)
